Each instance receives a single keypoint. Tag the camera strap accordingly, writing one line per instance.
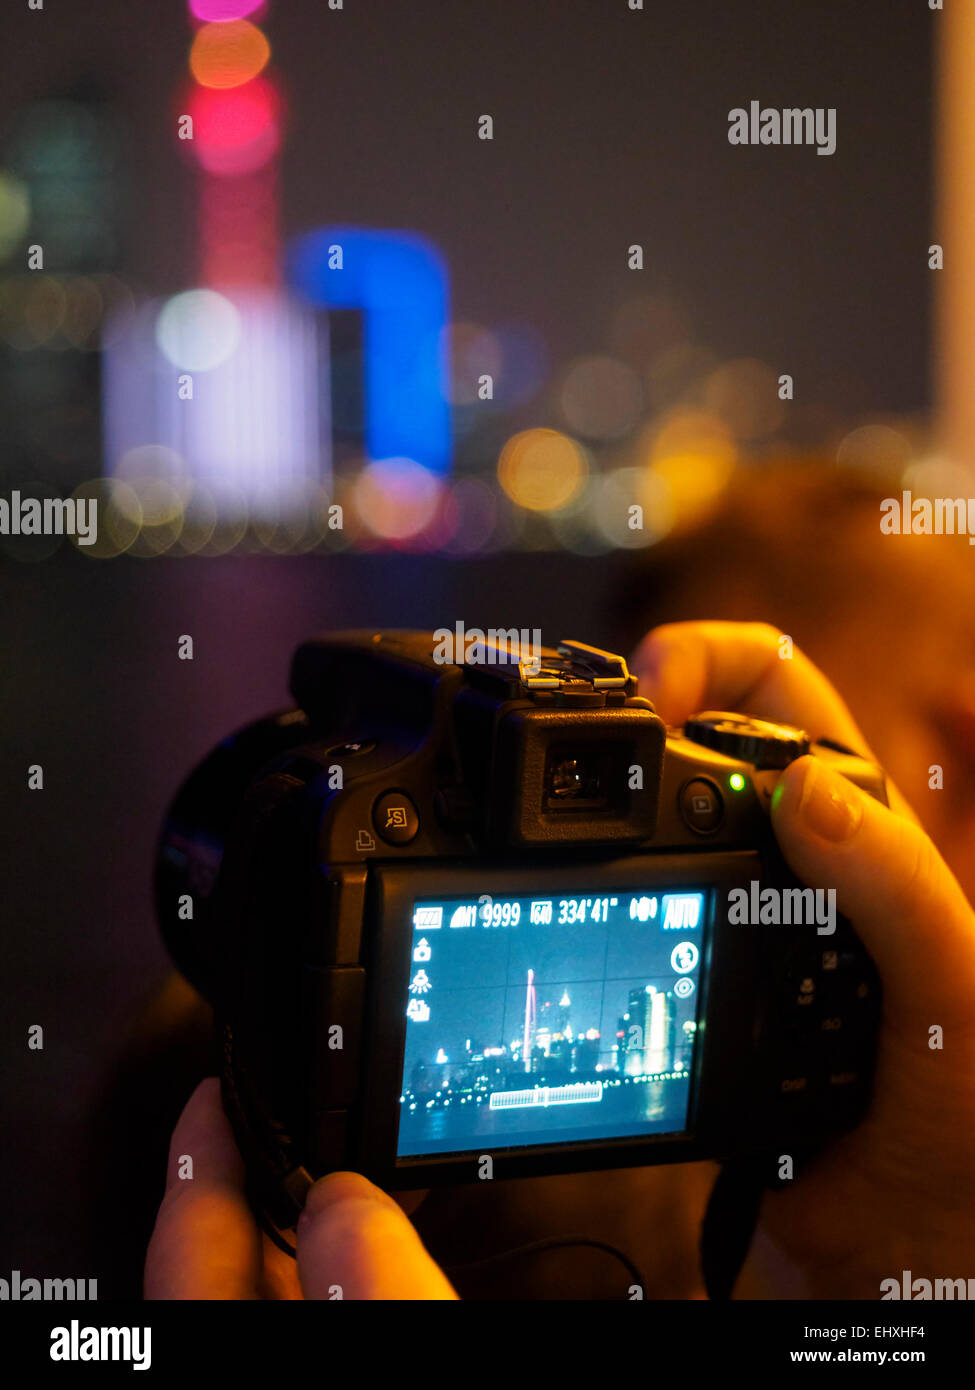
(729, 1223)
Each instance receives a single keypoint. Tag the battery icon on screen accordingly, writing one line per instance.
(428, 918)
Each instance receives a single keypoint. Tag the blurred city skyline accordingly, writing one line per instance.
(610, 386)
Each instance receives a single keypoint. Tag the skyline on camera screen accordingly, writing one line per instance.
(549, 1018)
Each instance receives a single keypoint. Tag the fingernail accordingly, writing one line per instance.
(830, 805)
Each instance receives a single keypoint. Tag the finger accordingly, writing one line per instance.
(205, 1243)
(280, 1282)
(355, 1242)
(891, 883)
(737, 666)
(690, 667)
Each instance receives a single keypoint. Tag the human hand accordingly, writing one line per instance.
(353, 1241)
(898, 1192)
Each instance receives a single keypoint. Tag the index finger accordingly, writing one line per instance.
(354, 1242)
(205, 1243)
(747, 668)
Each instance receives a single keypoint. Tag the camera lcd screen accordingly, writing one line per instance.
(550, 1019)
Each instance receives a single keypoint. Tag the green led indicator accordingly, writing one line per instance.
(736, 781)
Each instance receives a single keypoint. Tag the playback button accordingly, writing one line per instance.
(701, 806)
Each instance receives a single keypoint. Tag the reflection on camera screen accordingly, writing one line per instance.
(539, 1020)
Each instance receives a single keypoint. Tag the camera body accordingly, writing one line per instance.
(488, 916)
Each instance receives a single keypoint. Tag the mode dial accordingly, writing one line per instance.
(755, 741)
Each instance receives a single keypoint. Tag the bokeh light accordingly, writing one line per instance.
(235, 131)
(471, 352)
(745, 394)
(228, 55)
(158, 508)
(282, 527)
(542, 469)
(45, 308)
(32, 309)
(199, 521)
(396, 499)
(618, 493)
(695, 455)
(938, 476)
(221, 11)
(155, 462)
(601, 398)
(315, 502)
(14, 212)
(875, 449)
(198, 330)
(119, 517)
(329, 536)
(51, 311)
(230, 526)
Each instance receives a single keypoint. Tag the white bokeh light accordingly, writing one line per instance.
(198, 330)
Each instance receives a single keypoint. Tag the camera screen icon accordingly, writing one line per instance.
(427, 918)
(684, 957)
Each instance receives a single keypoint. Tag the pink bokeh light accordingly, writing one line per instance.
(219, 11)
(236, 131)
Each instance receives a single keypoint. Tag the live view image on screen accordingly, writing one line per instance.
(548, 1019)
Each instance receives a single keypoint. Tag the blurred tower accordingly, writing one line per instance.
(217, 392)
(531, 1018)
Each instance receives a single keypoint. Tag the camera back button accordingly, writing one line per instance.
(701, 806)
(396, 818)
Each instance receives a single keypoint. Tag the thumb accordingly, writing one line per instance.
(354, 1242)
(892, 884)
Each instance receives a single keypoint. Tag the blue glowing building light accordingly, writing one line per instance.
(399, 283)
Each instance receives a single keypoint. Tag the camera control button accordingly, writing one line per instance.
(701, 806)
(756, 741)
(396, 818)
(353, 750)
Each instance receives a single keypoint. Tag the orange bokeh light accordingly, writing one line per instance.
(542, 470)
(228, 55)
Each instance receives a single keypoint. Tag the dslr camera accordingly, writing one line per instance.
(488, 916)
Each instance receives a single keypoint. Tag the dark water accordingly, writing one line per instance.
(628, 1109)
